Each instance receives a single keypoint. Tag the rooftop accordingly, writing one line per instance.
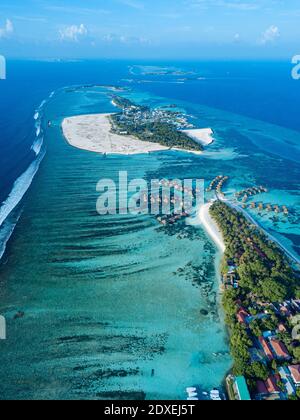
(280, 349)
(271, 385)
(266, 348)
(242, 316)
(295, 372)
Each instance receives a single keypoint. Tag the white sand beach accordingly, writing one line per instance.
(210, 226)
(203, 136)
(93, 133)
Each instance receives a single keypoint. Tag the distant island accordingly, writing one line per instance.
(137, 70)
(261, 297)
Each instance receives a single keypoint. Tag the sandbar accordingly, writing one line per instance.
(93, 133)
(211, 226)
(203, 136)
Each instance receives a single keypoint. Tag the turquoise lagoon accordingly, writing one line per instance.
(117, 306)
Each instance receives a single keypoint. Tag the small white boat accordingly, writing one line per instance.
(215, 395)
(191, 389)
(193, 399)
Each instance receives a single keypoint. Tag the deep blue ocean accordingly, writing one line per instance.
(105, 302)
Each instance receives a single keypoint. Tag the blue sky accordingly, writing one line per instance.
(150, 28)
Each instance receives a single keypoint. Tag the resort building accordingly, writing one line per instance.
(241, 389)
(230, 281)
(280, 350)
(266, 348)
(268, 387)
(285, 311)
(281, 328)
(242, 316)
(295, 373)
(287, 381)
(296, 304)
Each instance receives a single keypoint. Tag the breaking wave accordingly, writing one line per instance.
(6, 231)
(20, 187)
(37, 145)
(8, 219)
(19, 190)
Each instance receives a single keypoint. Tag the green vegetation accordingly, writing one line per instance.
(162, 133)
(125, 103)
(151, 126)
(263, 269)
(265, 277)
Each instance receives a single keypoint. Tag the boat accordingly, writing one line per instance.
(193, 394)
(215, 395)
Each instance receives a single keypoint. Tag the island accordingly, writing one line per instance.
(136, 129)
(261, 300)
(157, 125)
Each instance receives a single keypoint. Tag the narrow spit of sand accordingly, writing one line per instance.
(203, 136)
(211, 226)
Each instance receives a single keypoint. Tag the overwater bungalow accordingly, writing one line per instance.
(217, 182)
(285, 210)
(249, 192)
(245, 198)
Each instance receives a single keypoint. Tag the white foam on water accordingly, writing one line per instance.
(21, 185)
(38, 126)
(5, 233)
(19, 189)
(42, 104)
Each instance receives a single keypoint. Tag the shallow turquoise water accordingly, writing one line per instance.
(109, 299)
(104, 302)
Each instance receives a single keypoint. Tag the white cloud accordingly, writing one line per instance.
(73, 32)
(270, 34)
(7, 30)
(238, 5)
(237, 37)
(124, 39)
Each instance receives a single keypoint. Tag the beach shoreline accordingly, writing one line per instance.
(211, 226)
(93, 133)
(202, 136)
